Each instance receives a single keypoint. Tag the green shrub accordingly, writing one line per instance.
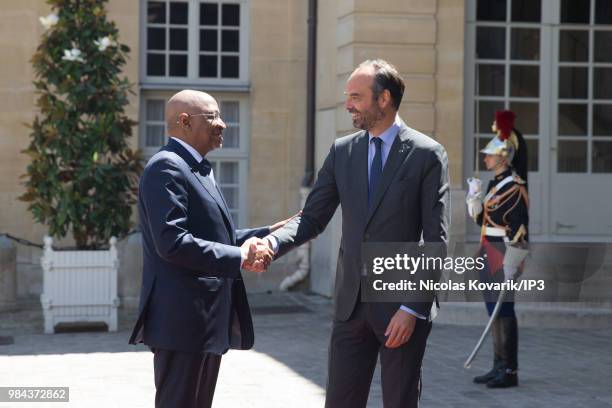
(83, 176)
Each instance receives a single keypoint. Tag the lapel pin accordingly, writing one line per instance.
(404, 147)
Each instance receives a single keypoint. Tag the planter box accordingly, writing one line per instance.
(79, 286)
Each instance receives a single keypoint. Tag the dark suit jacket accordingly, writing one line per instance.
(412, 198)
(193, 298)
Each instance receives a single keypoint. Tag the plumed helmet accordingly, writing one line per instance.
(506, 142)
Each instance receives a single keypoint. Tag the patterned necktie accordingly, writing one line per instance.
(375, 169)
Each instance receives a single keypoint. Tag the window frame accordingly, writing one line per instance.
(193, 52)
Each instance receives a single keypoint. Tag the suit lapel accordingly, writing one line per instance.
(205, 182)
(210, 187)
(359, 169)
(399, 150)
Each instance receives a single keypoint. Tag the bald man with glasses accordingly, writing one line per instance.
(193, 303)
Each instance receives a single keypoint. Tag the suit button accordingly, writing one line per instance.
(367, 236)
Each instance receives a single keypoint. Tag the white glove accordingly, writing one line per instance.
(474, 187)
(510, 272)
(474, 206)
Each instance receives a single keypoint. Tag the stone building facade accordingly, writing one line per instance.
(461, 60)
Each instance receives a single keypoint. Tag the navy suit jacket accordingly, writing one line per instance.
(193, 298)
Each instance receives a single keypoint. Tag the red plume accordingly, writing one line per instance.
(504, 120)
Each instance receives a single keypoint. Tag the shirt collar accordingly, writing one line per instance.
(197, 156)
(388, 135)
(501, 176)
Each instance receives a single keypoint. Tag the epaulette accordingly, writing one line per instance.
(517, 179)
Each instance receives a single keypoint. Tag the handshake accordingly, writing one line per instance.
(257, 255)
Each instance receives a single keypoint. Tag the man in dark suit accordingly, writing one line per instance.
(193, 303)
(392, 183)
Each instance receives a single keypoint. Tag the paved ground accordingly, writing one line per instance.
(287, 368)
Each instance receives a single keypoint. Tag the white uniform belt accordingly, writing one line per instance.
(495, 232)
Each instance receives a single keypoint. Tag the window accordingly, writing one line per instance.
(219, 31)
(195, 41)
(227, 175)
(155, 125)
(507, 69)
(230, 163)
(167, 39)
(584, 91)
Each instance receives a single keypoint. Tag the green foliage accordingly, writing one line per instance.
(83, 175)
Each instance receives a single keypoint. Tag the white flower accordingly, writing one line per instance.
(73, 55)
(49, 21)
(104, 42)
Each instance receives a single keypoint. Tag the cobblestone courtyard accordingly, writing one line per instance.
(287, 367)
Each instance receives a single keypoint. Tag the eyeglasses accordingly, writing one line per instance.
(210, 116)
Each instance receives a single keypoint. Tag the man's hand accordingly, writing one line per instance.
(282, 223)
(400, 329)
(256, 255)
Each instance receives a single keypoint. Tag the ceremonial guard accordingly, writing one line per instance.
(504, 218)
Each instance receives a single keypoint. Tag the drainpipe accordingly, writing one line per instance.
(303, 252)
(311, 75)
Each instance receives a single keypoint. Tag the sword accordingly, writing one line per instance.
(487, 329)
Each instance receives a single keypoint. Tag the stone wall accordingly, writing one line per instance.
(278, 126)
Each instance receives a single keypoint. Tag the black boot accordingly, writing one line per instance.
(504, 379)
(507, 377)
(485, 378)
(498, 356)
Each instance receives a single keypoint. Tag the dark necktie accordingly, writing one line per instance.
(375, 169)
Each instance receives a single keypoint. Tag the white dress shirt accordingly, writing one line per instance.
(197, 156)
